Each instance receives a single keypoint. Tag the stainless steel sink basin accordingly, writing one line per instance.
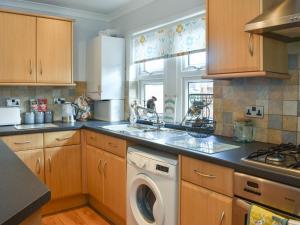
(129, 128)
(144, 131)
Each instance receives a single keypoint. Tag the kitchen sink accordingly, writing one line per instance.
(144, 131)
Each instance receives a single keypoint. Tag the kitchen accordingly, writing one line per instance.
(149, 112)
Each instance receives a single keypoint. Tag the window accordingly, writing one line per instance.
(195, 88)
(154, 67)
(195, 61)
(155, 89)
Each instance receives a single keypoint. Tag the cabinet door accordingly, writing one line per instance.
(63, 170)
(18, 48)
(114, 173)
(228, 45)
(200, 206)
(94, 172)
(54, 51)
(34, 160)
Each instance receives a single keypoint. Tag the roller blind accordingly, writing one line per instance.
(180, 38)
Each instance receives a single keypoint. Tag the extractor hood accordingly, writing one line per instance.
(281, 22)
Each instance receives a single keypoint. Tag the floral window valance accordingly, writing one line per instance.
(181, 38)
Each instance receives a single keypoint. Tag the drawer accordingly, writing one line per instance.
(214, 177)
(110, 144)
(24, 142)
(62, 138)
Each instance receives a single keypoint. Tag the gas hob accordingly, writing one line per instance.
(282, 158)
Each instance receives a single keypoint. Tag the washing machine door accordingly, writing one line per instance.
(146, 201)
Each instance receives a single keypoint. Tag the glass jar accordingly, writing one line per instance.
(243, 131)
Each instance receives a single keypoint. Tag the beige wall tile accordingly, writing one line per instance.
(274, 136)
(290, 92)
(261, 134)
(289, 123)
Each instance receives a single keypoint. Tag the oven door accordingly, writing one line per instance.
(241, 209)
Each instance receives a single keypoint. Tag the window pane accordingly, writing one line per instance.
(154, 66)
(196, 88)
(196, 60)
(156, 90)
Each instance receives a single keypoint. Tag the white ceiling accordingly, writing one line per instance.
(99, 6)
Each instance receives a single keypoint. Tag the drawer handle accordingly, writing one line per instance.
(63, 139)
(22, 143)
(222, 218)
(99, 166)
(38, 165)
(205, 175)
(112, 145)
(50, 164)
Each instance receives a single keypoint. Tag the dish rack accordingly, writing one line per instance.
(198, 120)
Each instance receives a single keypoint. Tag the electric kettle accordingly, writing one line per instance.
(69, 112)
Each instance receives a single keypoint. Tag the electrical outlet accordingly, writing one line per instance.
(254, 111)
(13, 102)
(59, 100)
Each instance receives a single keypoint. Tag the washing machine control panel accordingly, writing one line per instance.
(162, 168)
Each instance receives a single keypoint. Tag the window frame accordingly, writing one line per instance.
(185, 94)
(143, 75)
(144, 82)
(190, 69)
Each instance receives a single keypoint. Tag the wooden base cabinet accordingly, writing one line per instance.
(63, 171)
(94, 172)
(106, 174)
(200, 206)
(34, 160)
(114, 176)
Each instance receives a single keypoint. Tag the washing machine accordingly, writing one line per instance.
(152, 187)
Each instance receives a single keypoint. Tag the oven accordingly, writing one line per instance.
(281, 199)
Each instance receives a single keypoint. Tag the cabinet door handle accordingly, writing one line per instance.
(30, 67)
(38, 165)
(222, 218)
(41, 68)
(50, 163)
(104, 168)
(22, 143)
(99, 166)
(205, 175)
(250, 44)
(63, 139)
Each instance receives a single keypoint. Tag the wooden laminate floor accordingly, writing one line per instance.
(80, 216)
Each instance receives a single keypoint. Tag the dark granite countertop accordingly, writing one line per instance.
(231, 159)
(21, 193)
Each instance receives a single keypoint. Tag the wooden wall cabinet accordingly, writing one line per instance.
(35, 50)
(233, 53)
(18, 48)
(54, 51)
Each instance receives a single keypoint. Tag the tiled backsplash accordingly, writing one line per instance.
(280, 98)
(27, 93)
